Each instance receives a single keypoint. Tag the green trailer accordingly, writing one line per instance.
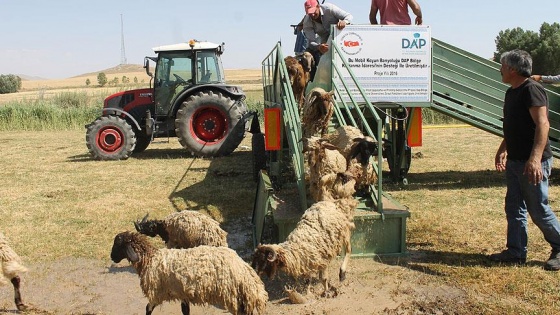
(462, 85)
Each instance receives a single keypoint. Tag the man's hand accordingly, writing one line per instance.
(323, 48)
(341, 24)
(533, 171)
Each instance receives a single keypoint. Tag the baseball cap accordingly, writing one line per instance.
(310, 6)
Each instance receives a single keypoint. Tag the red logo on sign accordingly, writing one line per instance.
(349, 43)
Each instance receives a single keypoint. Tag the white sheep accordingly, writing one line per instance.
(11, 269)
(184, 229)
(200, 275)
(320, 235)
(357, 150)
(327, 171)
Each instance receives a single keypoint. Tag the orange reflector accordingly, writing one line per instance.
(415, 131)
(272, 136)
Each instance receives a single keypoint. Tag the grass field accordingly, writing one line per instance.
(57, 202)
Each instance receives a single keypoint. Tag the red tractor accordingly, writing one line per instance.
(189, 100)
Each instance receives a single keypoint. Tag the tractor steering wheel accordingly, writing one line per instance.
(181, 80)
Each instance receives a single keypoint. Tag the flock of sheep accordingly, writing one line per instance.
(197, 267)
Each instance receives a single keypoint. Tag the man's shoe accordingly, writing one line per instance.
(506, 257)
(553, 263)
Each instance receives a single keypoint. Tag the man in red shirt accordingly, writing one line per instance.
(394, 12)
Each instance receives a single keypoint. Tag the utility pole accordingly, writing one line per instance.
(123, 54)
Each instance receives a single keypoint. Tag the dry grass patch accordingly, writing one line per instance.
(57, 202)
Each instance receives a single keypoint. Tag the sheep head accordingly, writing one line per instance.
(152, 228)
(122, 248)
(307, 61)
(362, 149)
(266, 261)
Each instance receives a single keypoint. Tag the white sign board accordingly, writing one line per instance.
(391, 63)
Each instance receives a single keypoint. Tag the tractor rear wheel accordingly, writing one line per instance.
(110, 138)
(210, 124)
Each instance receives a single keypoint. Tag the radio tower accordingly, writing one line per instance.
(123, 54)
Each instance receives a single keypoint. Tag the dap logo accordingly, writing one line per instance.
(415, 43)
(351, 43)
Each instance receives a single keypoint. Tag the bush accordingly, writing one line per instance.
(102, 79)
(9, 83)
(64, 111)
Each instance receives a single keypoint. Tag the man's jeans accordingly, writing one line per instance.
(523, 197)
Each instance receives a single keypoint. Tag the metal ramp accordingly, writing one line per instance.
(469, 88)
(281, 196)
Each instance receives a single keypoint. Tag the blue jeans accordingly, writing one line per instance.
(523, 197)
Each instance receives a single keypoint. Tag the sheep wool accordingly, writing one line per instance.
(318, 109)
(201, 275)
(318, 237)
(185, 229)
(191, 228)
(9, 260)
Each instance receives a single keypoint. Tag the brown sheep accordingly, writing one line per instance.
(298, 79)
(307, 62)
(317, 112)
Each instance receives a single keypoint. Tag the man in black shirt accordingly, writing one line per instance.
(525, 156)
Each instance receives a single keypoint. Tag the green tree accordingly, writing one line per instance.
(9, 83)
(544, 46)
(101, 79)
(125, 79)
(88, 82)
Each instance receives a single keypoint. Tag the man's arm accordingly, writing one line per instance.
(341, 15)
(533, 168)
(542, 125)
(416, 10)
(373, 13)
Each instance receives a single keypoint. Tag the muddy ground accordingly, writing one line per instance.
(84, 286)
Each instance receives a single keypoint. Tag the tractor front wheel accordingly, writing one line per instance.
(210, 124)
(110, 138)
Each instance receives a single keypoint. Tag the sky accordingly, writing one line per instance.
(56, 39)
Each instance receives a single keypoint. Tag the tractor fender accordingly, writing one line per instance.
(119, 112)
(235, 94)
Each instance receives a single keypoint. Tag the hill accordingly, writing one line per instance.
(128, 68)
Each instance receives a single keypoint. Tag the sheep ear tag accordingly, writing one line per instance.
(131, 254)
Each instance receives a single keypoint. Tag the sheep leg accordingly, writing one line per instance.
(150, 308)
(16, 281)
(347, 253)
(185, 308)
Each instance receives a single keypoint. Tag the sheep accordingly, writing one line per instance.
(184, 229)
(11, 269)
(327, 171)
(298, 79)
(199, 275)
(318, 237)
(357, 149)
(307, 62)
(317, 112)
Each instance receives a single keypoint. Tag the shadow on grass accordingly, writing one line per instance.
(457, 180)
(450, 180)
(227, 187)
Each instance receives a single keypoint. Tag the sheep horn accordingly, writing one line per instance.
(145, 218)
